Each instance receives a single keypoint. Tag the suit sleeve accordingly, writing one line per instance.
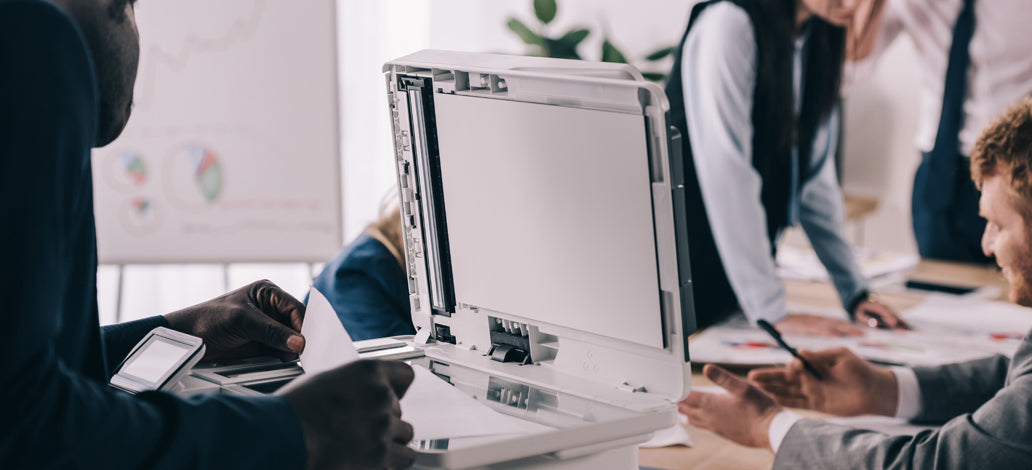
(119, 339)
(997, 434)
(53, 415)
(953, 389)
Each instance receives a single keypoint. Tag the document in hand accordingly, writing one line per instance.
(434, 408)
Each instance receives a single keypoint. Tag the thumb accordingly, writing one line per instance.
(725, 379)
(399, 376)
(259, 328)
(278, 304)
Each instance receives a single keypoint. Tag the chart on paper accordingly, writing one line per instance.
(232, 152)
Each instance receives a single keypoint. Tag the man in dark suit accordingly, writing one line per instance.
(983, 404)
(67, 69)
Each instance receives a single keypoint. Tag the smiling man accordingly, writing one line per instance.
(983, 405)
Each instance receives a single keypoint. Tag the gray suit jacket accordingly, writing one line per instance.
(988, 403)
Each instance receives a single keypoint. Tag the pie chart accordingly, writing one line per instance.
(207, 171)
(139, 216)
(135, 169)
(193, 177)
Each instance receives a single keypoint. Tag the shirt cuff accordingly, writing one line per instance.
(779, 427)
(908, 403)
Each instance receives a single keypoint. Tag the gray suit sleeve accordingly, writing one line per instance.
(953, 389)
(998, 434)
(978, 440)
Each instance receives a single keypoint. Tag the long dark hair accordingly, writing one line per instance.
(826, 50)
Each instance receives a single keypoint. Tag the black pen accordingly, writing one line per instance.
(777, 337)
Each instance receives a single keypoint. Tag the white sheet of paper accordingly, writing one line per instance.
(437, 410)
(327, 343)
(434, 408)
(675, 435)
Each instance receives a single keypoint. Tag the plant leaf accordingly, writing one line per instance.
(659, 77)
(611, 54)
(660, 54)
(521, 30)
(574, 37)
(545, 10)
(560, 49)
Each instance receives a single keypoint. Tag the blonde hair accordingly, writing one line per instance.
(387, 230)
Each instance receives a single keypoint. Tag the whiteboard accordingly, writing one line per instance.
(232, 151)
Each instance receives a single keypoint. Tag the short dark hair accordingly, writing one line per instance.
(1005, 148)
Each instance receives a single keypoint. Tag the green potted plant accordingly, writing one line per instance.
(566, 45)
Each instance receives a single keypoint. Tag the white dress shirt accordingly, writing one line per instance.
(1000, 72)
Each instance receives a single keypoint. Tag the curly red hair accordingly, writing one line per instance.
(1004, 148)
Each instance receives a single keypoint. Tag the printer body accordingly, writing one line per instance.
(542, 207)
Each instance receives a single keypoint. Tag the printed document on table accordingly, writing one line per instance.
(943, 332)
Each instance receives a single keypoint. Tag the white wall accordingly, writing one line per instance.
(879, 155)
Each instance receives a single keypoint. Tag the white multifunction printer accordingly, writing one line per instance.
(545, 236)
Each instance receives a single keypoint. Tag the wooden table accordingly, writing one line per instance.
(715, 453)
(858, 207)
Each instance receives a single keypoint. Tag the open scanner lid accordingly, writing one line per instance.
(542, 205)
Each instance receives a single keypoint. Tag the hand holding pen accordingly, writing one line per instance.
(781, 342)
(850, 385)
(874, 314)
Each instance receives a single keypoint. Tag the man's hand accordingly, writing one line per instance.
(743, 415)
(875, 314)
(851, 386)
(351, 416)
(806, 324)
(257, 319)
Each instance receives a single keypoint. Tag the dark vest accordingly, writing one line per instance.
(775, 130)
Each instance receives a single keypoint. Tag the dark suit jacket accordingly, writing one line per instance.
(368, 290)
(989, 406)
(56, 410)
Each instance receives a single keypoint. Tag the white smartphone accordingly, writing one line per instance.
(158, 361)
